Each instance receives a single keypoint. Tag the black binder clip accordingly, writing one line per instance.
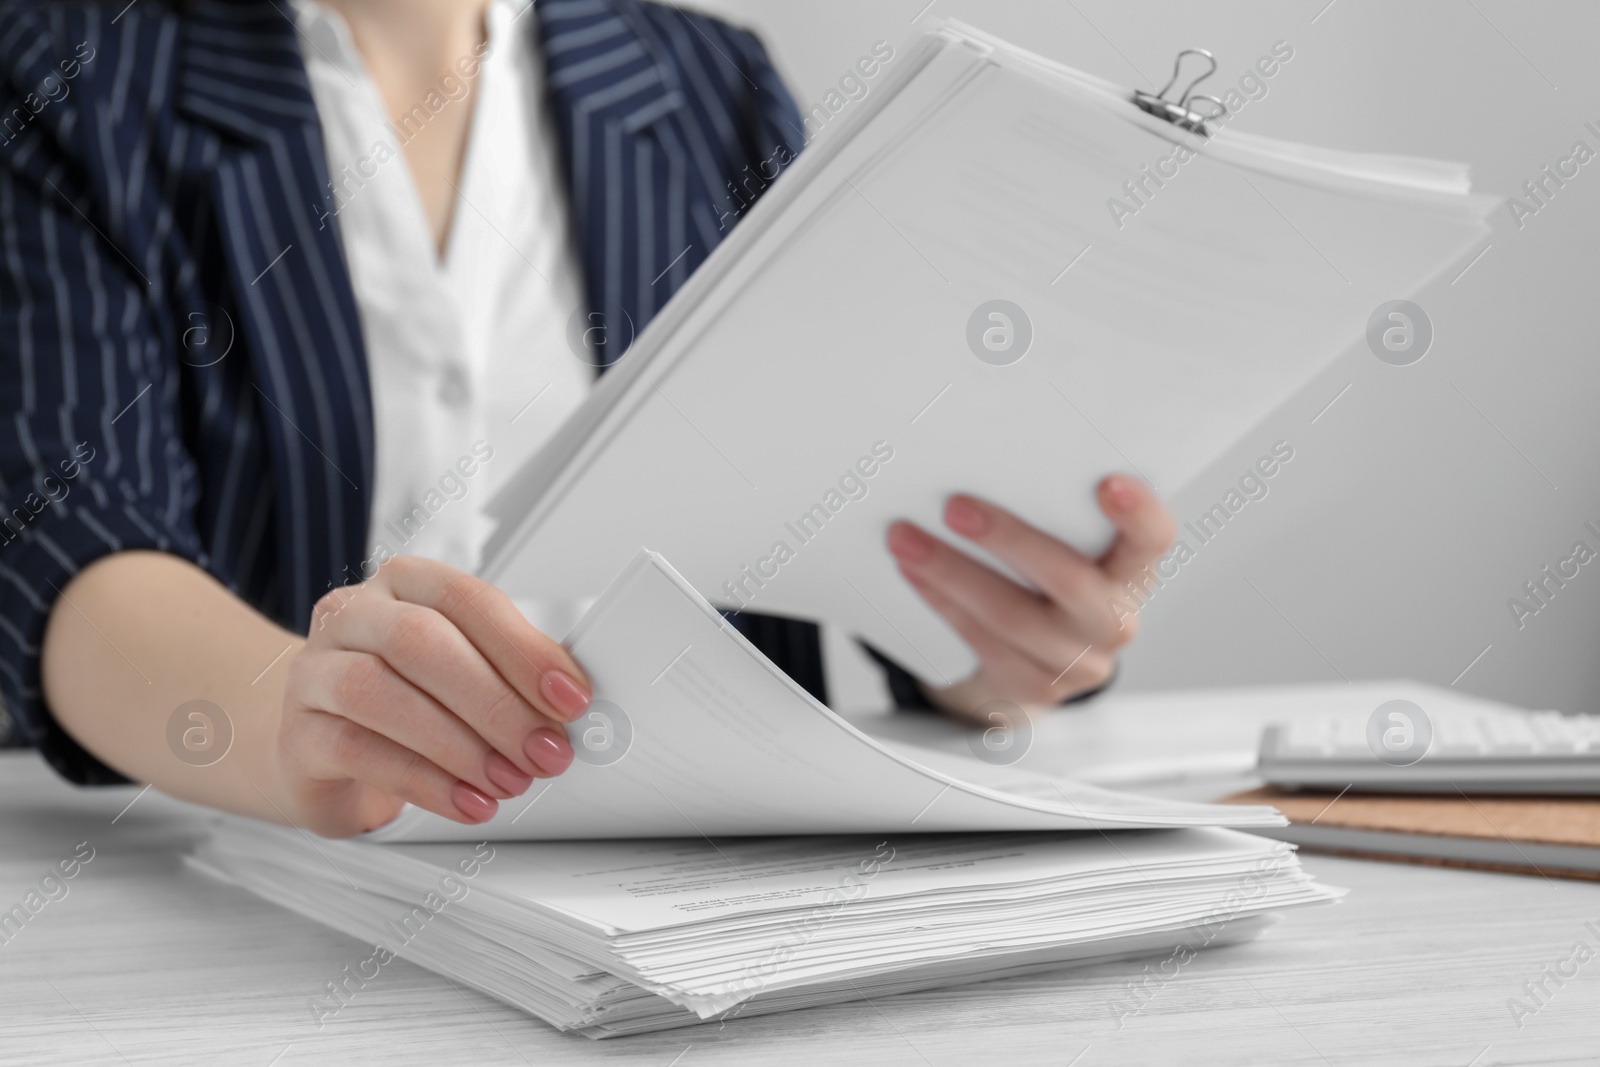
(1178, 112)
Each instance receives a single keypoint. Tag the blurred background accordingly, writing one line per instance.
(1425, 497)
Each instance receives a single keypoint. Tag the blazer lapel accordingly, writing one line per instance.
(611, 83)
(241, 74)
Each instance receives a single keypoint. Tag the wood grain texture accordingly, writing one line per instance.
(148, 962)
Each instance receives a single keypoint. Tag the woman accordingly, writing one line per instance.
(263, 264)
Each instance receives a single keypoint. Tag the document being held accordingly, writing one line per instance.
(993, 274)
(693, 731)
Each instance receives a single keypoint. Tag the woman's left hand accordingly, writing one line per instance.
(1034, 647)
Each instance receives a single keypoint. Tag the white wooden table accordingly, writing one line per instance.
(145, 961)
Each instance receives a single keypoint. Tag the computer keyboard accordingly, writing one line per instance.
(1400, 748)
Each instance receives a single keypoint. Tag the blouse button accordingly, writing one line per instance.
(453, 388)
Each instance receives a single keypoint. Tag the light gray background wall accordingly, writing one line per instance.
(1427, 495)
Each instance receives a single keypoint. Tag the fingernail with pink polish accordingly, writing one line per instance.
(473, 804)
(505, 774)
(965, 517)
(1121, 493)
(549, 751)
(564, 694)
(908, 543)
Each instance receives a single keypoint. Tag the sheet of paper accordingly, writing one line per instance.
(818, 378)
(695, 733)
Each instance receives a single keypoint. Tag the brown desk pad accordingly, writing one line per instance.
(1568, 821)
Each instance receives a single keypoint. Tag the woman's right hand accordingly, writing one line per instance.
(424, 685)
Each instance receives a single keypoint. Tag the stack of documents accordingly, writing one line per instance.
(611, 938)
(697, 741)
(993, 274)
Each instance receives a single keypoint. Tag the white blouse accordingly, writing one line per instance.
(468, 356)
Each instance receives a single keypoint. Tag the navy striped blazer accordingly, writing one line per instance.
(180, 356)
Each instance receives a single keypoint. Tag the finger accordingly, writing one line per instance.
(1089, 669)
(1074, 599)
(1026, 620)
(1144, 527)
(536, 666)
(1072, 581)
(366, 690)
(1006, 671)
(998, 656)
(331, 746)
(428, 651)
